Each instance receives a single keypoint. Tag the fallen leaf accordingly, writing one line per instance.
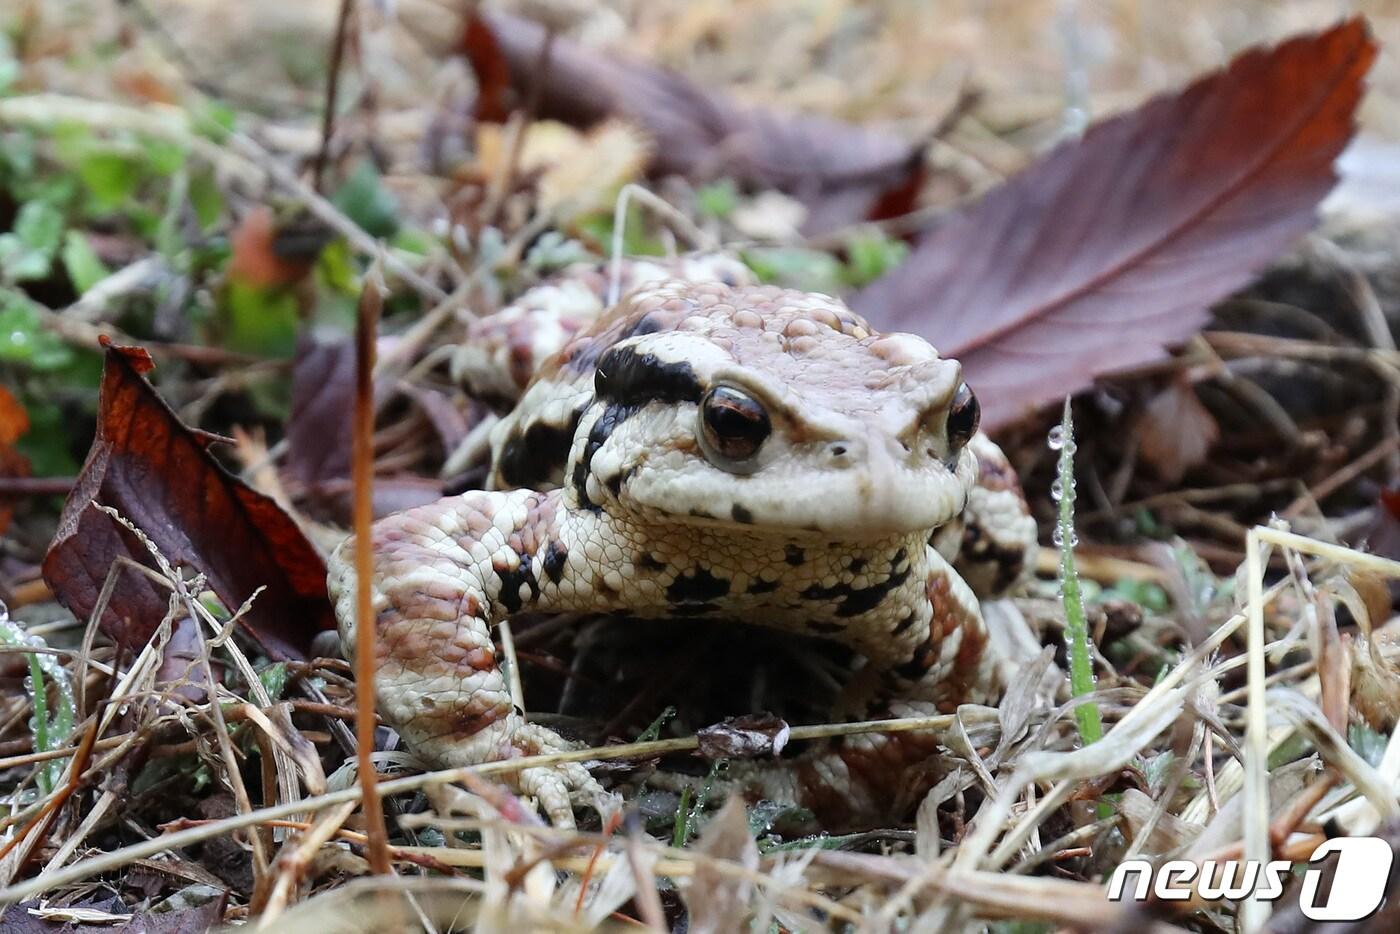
(318, 430)
(159, 474)
(1177, 431)
(317, 468)
(578, 172)
(1112, 247)
(842, 172)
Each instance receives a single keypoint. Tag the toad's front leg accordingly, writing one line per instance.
(925, 653)
(443, 575)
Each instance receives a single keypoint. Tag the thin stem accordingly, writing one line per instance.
(371, 303)
(1081, 668)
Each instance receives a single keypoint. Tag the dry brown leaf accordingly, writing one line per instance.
(1177, 431)
(318, 429)
(1112, 247)
(579, 172)
(720, 902)
(159, 474)
(842, 172)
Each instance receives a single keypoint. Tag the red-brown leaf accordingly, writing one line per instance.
(14, 422)
(839, 170)
(160, 475)
(1112, 247)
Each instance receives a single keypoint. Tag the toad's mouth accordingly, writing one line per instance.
(872, 499)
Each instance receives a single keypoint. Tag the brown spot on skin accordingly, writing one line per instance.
(463, 721)
(961, 685)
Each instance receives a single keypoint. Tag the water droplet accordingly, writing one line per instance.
(1058, 537)
(1057, 438)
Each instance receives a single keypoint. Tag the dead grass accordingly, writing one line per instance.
(1232, 724)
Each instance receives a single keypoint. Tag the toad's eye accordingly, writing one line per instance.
(963, 415)
(733, 423)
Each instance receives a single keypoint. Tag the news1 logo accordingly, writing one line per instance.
(1358, 885)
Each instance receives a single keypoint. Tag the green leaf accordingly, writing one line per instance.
(110, 177)
(1368, 744)
(206, 199)
(23, 338)
(163, 156)
(9, 74)
(81, 263)
(413, 240)
(40, 226)
(635, 239)
(216, 121)
(872, 254)
(274, 679)
(653, 730)
(336, 267)
(260, 321)
(794, 267)
(553, 251)
(367, 202)
(27, 252)
(1145, 594)
(718, 199)
(17, 156)
(46, 444)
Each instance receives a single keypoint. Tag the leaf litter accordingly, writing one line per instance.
(1252, 702)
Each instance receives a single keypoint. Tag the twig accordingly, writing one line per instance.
(362, 462)
(342, 21)
(699, 239)
(36, 486)
(105, 862)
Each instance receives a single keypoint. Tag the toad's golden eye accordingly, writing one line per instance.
(734, 424)
(964, 414)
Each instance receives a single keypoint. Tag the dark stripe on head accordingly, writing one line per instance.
(538, 455)
(627, 377)
(603, 427)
